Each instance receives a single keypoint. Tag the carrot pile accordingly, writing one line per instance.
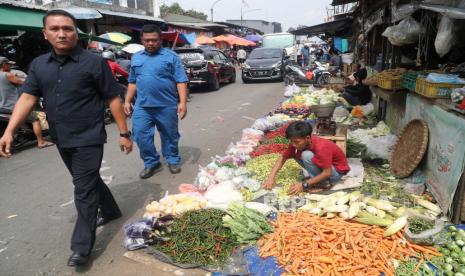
(305, 244)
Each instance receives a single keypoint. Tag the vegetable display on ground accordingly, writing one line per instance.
(307, 244)
(199, 237)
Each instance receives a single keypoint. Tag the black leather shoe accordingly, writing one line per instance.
(148, 172)
(174, 168)
(77, 259)
(103, 220)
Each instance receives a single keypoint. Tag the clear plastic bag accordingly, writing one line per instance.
(406, 32)
(403, 11)
(445, 38)
(380, 147)
(138, 230)
(425, 237)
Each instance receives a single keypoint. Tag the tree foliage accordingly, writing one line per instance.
(177, 9)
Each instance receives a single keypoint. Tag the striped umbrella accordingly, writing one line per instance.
(116, 37)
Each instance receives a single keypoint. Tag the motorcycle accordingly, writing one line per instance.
(316, 74)
(108, 117)
(24, 135)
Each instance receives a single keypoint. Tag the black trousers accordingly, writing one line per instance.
(90, 193)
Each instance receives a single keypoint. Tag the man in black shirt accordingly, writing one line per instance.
(75, 85)
(359, 93)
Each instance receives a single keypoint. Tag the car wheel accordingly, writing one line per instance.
(215, 85)
(324, 79)
(233, 77)
(244, 80)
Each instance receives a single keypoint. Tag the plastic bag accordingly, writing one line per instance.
(380, 147)
(340, 113)
(252, 134)
(403, 11)
(406, 32)
(425, 237)
(221, 195)
(443, 78)
(445, 38)
(204, 180)
(458, 95)
(291, 90)
(134, 244)
(236, 264)
(138, 230)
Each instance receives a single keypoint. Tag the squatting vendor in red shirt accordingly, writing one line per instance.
(323, 161)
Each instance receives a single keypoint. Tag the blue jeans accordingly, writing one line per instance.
(165, 119)
(311, 170)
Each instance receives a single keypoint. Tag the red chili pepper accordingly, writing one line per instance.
(218, 249)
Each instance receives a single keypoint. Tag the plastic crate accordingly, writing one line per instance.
(409, 79)
(435, 90)
(389, 83)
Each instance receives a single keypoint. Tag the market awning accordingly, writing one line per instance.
(20, 19)
(131, 15)
(332, 28)
(342, 2)
(14, 19)
(175, 36)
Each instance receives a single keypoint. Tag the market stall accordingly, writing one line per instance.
(378, 220)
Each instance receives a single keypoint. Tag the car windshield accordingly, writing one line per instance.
(263, 53)
(278, 41)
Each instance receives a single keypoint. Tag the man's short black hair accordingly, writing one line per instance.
(361, 74)
(56, 13)
(148, 29)
(298, 129)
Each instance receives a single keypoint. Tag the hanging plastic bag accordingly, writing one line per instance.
(406, 32)
(445, 38)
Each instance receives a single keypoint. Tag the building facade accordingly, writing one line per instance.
(262, 25)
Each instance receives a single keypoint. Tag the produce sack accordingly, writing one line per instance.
(445, 38)
(380, 147)
(406, 32)
(425, 237)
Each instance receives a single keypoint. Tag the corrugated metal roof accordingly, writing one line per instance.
(131, 15)
(342, 2)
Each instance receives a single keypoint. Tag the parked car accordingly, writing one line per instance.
(264, 64)
(207, 66)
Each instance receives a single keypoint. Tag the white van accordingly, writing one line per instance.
(284, 41)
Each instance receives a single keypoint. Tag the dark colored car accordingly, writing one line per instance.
(207, 66)
(264, 64)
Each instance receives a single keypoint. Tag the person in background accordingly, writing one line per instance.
(75, 85)
(241, 56)
(158, 78)
(305, 51)
(358, 93)
(10, 80)
(336, 61)
(115, 67)
(323, 162)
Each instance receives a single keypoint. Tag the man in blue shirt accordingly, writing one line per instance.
(158, 78)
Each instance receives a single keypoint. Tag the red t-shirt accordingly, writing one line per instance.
(326, 154)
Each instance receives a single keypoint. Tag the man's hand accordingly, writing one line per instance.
(5, 145)
(127, 109)
(296, 189)
(268, 184)
(182, 110)
(125, 144)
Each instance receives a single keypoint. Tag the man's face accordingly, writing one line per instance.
(151, 42)
(300, 143)
(61, 33)
(6, 67)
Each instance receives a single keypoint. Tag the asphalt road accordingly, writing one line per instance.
(37, 211)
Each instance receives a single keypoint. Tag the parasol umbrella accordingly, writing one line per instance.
(253, 37)
(133, 48)
(116, 37)
(204, 40)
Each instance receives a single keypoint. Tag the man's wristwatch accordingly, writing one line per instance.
(125, 135)
(305, 185)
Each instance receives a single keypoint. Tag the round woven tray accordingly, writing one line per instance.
(410, 148)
